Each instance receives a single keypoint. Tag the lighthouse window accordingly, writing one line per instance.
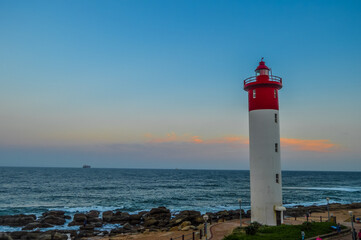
(276, 118)
(276, 147)
(263, 72)
(254, 93)
(277, 178)
(275, 93)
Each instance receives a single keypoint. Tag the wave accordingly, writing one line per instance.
(342, 189)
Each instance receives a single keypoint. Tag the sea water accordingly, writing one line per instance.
(36, 190)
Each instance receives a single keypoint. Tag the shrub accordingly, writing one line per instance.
(252, 228)
(306, 226)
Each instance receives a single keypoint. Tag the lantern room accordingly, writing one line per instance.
(262, 69)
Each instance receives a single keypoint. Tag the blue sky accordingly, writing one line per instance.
(159, 83)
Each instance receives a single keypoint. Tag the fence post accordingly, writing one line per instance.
(321, 218)
(194, 236)
(183, 237)
(200, 234)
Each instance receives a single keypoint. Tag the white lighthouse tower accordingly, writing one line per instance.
(264, 144)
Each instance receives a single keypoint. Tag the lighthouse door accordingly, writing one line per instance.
(278, 218)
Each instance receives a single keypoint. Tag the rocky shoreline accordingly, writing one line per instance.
(158, 219)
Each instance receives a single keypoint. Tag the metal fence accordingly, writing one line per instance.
(189, 236)
(314, 218)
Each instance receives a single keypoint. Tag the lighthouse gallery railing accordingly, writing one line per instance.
(271, 78)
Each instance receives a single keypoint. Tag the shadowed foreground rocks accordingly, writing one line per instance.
(157, 219)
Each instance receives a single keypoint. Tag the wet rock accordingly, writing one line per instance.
(59, 214)
(135, 218)
(120, 217)
(34, 225)
(17, 220)
(107, 216)
(88, 227)
(93, 214)
(87, 218)
(158, 217)
(53, 220)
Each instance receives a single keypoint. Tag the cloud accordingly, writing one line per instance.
(173, 137)
(293, 144)
(229, 139)
(321, 145)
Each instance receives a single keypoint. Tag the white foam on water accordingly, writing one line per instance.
(85, 209)
(317, 203)
(108, 227)
(342, 189)
(9, 229)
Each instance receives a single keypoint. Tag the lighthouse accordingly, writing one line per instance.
(264, 145)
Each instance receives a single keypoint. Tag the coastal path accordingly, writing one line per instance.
(220, 230)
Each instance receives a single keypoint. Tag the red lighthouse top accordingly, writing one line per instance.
(262, 65)
(263, 88)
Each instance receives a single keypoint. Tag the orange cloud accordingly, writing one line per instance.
(197, 139)
(322, 145)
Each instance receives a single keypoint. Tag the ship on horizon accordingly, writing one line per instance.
(86, 166)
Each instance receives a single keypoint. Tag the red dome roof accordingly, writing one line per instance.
(262, 65)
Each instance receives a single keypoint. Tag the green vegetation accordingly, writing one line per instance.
(282, 232)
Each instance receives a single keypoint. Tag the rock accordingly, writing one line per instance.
(54, 213)
(159, 210)
(93, 214)
(158, 217)
(185, 224)
(192, 216)
(59, 214)
(4, 236)
(50, 235)
(88, 227)
(17, 220)
(86, 234)
(79, 217)
(187, 228)
(120, 217)
(173, 229)
(116, 231)
(135, 218)
(107, 216)
(150, 222)
(88, 218)
(127, 226)
(34, 225)
(53, 220)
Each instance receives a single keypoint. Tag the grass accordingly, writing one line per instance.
(284, 232)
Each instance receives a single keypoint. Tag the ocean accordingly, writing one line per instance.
(36, 190)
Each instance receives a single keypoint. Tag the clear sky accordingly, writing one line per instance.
(158, 84)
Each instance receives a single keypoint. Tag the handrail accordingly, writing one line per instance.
(272, 78)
